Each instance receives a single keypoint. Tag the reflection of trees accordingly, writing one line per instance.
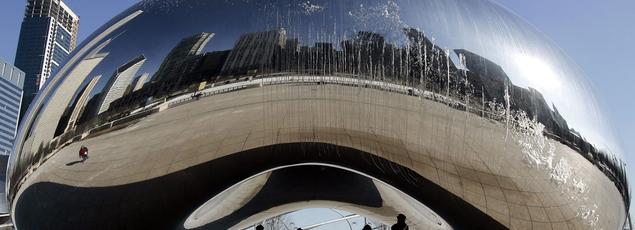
(280, 222)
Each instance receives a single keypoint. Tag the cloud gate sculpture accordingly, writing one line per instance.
(211, 114)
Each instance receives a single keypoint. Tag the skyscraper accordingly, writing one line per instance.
(254, 51)
(80, 106)
(11, 82)
(119, 82)
(47, 36)
(180, 58)
(140, 81)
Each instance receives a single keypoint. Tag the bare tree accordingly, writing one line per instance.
(277, 223)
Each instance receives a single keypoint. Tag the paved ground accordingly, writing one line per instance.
(472, 157)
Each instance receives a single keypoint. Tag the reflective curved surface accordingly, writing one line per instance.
(460, 106)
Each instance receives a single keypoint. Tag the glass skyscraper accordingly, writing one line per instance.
(47, 36)
(11, 83)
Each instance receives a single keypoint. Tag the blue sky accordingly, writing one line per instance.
(598, 35)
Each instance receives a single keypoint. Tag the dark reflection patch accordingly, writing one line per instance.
(165, 202)
(306, 183)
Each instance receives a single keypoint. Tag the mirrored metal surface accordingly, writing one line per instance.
(444, 101)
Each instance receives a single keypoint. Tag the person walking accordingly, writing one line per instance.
(83, 153)
(401, 223)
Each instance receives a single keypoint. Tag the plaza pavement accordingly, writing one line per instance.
(472, 157)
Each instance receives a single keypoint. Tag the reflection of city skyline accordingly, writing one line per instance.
(419, 63)
(120, 81)
(239, 109)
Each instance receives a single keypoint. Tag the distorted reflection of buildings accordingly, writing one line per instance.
(119, 82)
(182, 58)
(254, 51)
(80, 105)
(77, 77)
(139, 82)
(480, 85)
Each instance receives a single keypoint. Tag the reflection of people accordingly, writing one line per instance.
(401, 223)
(83, 153)
(260, 227)
(367, 227)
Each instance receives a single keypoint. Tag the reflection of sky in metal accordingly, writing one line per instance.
(479, 26)
(312, 216)
(496, 34)
(319, 215)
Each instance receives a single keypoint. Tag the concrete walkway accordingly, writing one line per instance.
(471, 157)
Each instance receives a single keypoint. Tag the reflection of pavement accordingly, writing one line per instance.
(465, 154)
(338, 79)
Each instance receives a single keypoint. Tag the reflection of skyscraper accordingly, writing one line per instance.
(60, 102)
(140, 81)
(120, 80)
(11, 82)
(47, 36)
(178, 60)
(81, 103)
(492, 77)
(254, 51)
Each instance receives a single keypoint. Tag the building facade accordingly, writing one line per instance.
(11, 82)
(254, 51)
(120, 81)
(181, 58)
(80, 106)
(140, 81)
(47, 36)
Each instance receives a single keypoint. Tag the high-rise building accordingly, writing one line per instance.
(254, 51)
(47, 36)
(142, 80)
(11, 82)
(80, 106)
(119, 82)
(180, 58)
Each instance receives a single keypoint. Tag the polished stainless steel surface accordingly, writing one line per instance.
(457, 109)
